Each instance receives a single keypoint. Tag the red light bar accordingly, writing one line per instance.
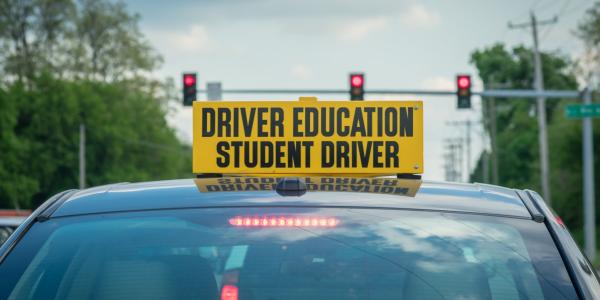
(229, 292)
(288, 221)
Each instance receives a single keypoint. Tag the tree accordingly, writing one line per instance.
(110, 41)
(517, 132)
(31, 32)
(17, 185)
(589, 32)
(66, 64)
(128, 138)
(96, 39)
(588, 70)
(500, 68)
(15, 24)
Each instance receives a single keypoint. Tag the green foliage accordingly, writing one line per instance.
(16, 185)
(66, 64)
(589, 28)
(127, 138)
(517, 133)
(588, 31)
(109, 41)
(96, 39)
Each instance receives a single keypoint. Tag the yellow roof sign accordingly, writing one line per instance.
(308, 137)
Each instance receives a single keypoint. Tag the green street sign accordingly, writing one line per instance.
(577, 111)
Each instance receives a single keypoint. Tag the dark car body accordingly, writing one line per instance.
(328, 195)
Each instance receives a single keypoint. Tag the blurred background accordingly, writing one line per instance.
(91, 90)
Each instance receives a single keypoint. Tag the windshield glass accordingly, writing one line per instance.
(263, 253)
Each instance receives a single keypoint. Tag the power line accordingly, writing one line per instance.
(575, 9)
(564, 7)
(535, 4)
(156, 146)
(548, 5)
(558, 15)
(149, 144)
(531, 7)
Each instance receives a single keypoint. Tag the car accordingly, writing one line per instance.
(10, 219)
(8, 225)
(295, 237)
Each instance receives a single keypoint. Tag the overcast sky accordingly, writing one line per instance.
(316, 43)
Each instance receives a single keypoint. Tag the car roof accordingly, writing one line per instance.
(187, 193)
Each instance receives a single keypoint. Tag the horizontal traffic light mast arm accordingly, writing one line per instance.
(530, 93)
(281, 91)
(486, 93)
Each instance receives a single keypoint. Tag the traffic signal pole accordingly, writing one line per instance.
(589, 210)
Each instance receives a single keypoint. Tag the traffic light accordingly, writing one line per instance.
(357, 86)
(463, 91)
(189, 88)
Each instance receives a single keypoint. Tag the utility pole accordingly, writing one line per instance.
(541, 103)
(468, 150)
(486, 166)
(467, 124)
(459, 155)
(81, 156)
(448, 164)
(485, 154)
(453, 160)
(589, 209)
(493, 130)
(494, 134)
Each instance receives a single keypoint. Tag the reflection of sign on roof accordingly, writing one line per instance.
(402, 187)
(308, 137)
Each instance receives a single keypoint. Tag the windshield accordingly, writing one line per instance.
(264, 253)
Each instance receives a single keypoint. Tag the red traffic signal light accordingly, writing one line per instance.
(463, 91)
(356, 80)
(189, 88)
(189, 79)
(463, 81)
(357, 84)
